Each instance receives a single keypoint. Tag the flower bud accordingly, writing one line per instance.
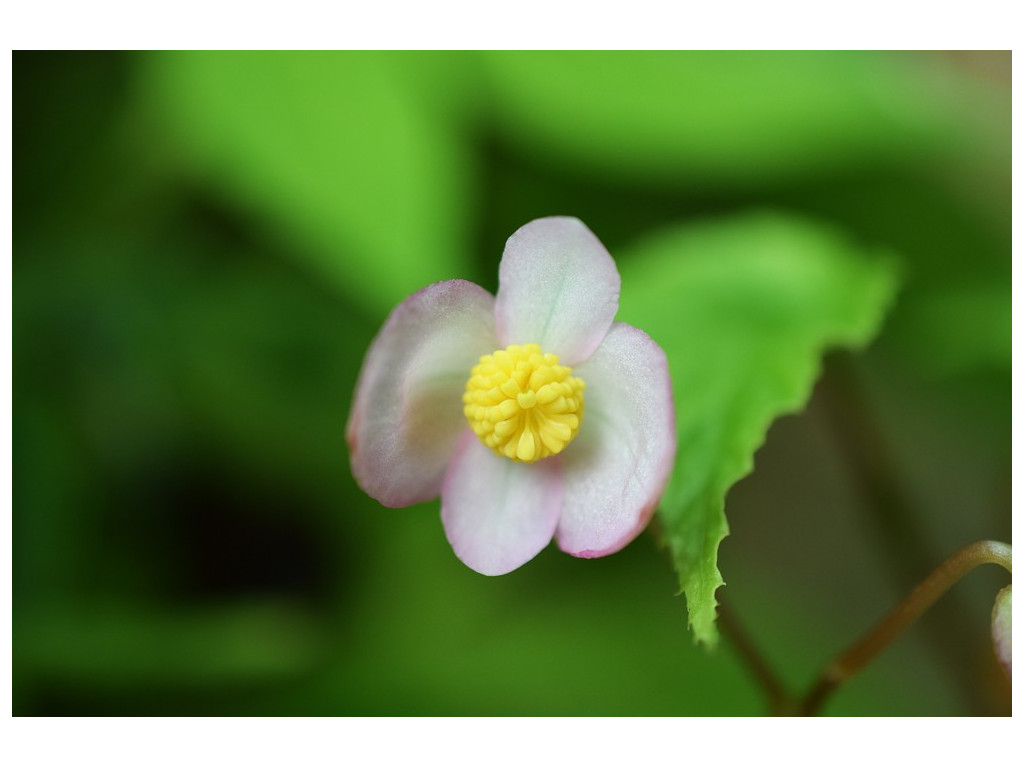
(1001, 627)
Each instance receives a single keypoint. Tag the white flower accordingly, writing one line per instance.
(532, 414)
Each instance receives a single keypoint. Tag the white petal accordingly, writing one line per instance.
(407, 414)
(498, 514)
(558, 287)
(617, 467)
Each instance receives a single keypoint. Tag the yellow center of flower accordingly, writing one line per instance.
(522, 404)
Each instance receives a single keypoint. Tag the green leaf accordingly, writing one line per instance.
(744, 309)
(719, 118)
(343, 155)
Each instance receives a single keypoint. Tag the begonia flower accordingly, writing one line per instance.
(533, 414)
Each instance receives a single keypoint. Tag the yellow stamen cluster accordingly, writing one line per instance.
(522, 404)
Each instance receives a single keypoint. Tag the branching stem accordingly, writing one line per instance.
(902, 616)
(851, 661)
(779, 699)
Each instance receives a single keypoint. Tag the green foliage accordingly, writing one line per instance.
(217, 647)
(206, 244)
(962, 328)
(343, 154)
(718, 118)
(744, 308)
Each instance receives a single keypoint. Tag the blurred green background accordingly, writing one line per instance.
(205, 245)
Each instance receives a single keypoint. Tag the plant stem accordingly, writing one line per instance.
(903, 615)
(890, 509)
(779, 700)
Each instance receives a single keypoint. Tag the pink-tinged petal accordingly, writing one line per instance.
(407, 413)
(558, 287)
(1002, 628)
(498, 514)
(617, 468)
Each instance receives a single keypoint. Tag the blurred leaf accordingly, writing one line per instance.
(267, 364)
(370, 183)
(960, 328)
(134, 646)
(717, 118)
(744, 309)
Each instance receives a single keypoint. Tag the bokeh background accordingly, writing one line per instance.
(205, 244)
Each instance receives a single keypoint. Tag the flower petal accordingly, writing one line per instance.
(617, 468)
(407, 412)
(498, 514)
(558, 287)
(1002, 628)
